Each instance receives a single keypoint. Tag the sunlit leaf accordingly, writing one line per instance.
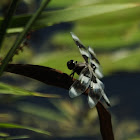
(7, 89)
(69, 14)
(68, 3)
(9, 125)
(105, 32)
(15, 30)
(14, 137)
(4, 134)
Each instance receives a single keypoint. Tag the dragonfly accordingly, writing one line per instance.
(89, 72)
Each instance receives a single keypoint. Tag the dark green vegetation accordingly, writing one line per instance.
(110, 27)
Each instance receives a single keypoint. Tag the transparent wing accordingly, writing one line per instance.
(95, 94)
(80, 85)
(94, 63)
(93, 100)
(81, 47)
(103, 93)
(93, 55)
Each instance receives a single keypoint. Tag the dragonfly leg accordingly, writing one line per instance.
(72, 74)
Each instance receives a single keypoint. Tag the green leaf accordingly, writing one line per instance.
(10, 125)
(5, 136)
(61, 3)
(7, 89)
(76, 13)
(69, 14)
(69, 3)
(106, 32)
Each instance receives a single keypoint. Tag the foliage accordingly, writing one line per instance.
(7, 125)
(7, 89)
(67, 118)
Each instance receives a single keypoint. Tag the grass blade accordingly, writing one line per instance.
(10, 125)
(12, 90)
(22, 35)
(76, 13)
(14, 137)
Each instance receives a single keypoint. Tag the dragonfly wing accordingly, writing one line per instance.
(93, 55)
(92, 103)
(95, 91)
(98, 72)
(81, 47)
(80, 85)
(105, 98)
(94, 62)
(94, 95)
(100, 85)
(102, 92)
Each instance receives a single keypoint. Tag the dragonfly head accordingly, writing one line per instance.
(71, 64)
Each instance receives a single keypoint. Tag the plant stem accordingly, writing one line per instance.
(21, 36)
(7, 20)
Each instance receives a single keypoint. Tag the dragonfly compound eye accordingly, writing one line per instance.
(71, 64)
